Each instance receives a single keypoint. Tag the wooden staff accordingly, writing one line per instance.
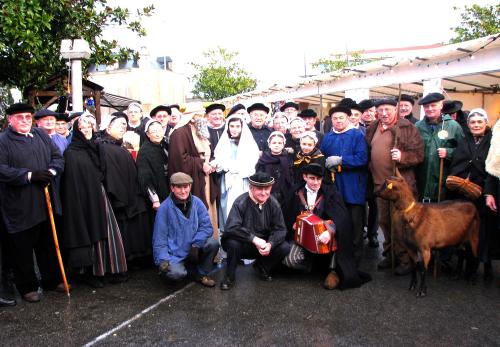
(56, 242)
(441, 169)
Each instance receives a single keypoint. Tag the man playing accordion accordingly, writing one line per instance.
(318, 208)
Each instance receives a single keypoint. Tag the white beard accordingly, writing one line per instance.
(201, 126)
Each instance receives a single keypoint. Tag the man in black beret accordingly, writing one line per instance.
(63, 126)
(255, 229)
(441, 135)
(309, 117)
(258, 114)
(406, 108)
(46, 119)
(290, 109)
(368, 113)
(215, 116)
(29, 161)
(325, 202)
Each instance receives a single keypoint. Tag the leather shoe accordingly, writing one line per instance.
(385, 264)
(226, 284)
(403, 269)
(60, 288)
(372, 242)
(205, 281)
(331, 281)
(7, 302)
(31, 297)
(263, 274)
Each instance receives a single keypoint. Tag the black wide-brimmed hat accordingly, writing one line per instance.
(314, 169)
(431, 97)
(452, 106)
(63, 117)
(261, 179)
(340, 108)
(212, 107)
(19, 107)
(158, 109)
(289, 104)
(258, 107)
(307, 113)
(365, 104)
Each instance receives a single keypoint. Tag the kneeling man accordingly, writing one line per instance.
(183, 232)
(255, 230)
(325, 202)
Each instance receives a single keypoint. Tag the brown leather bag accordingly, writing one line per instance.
(464, 186)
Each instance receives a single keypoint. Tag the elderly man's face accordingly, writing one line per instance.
(340, 121)
(47, 123)
(175, 117)
(134, 114)
(405, 108)
(260, 194)
(280, 124)
(291, 112)
(369, 115)
(387, 114)
(163, 117)
(310, 122)
(21, 122)
(181, 191)
(258, 118)
(433, 110)
(215, 118)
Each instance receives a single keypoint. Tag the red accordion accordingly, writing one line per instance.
(308, 227)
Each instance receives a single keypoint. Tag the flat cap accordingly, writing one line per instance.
(235, 109)
(212, 107)
(340, 108)
(289, 104)
(44, 112)
(180, 178)
(158, 109)
(314, 169)
(258, 107)
(431, 97)
(386, 101)
(261, 179)
(307, 113)
(451, 106)
(366, 104)
(19, 107)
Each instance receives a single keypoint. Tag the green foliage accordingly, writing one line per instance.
(339, 61)
(477, 22)
(220, 77)
(31, 32)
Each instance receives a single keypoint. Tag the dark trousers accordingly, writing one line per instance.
(237, 250)
(372, 218)
(23, 243)
(357, 213)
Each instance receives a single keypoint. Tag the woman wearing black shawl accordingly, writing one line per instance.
(90, 235)
(122, 188)
(276, 163)
(309, 153)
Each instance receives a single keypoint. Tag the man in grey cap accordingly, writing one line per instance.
(440, 135)
(182, 234)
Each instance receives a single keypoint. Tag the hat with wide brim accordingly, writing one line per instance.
(308, 113)
(19, 107)
(159, 108)
(340, 108)
(314, 169)
(212, 107)
(289, 104)
(258, 107)
(451, 106)
(261, 179)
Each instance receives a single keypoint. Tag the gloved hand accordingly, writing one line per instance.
(163, 267)
(41, 177)
(333, 161)
(194, 255)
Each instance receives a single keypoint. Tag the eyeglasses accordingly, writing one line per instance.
(23, 116)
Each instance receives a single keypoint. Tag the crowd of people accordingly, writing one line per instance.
(188, 191)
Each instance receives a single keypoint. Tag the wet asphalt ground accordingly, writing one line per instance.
(292, 310)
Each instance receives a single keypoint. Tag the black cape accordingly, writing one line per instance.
(152, 169)
(331, 207)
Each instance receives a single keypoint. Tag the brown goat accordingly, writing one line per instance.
(428, 226)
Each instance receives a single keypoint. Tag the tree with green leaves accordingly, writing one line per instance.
(337, 62)
(220, 76)
(476, 22)
(31, 32)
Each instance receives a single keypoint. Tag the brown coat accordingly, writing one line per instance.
(184, 157)
(409, 143)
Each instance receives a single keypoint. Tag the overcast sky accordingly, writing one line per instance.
(273, 37)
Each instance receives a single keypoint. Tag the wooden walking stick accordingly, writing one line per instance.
(56, 242)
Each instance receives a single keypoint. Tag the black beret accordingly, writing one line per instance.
(314, 169)
(19, 107)
(258, 107)
(261, 179)
(212, 107)
(175, 106)
(158, 109)
(289, 104)
(452, 106)
(386, 101)
(235, 109)
(63, 117)
(366, 104)
(45, 113)
(347, 102)
(409, 98)
(431, 97)
(340, 108)
(308, 113)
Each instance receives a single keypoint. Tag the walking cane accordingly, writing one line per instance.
(56, 242)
